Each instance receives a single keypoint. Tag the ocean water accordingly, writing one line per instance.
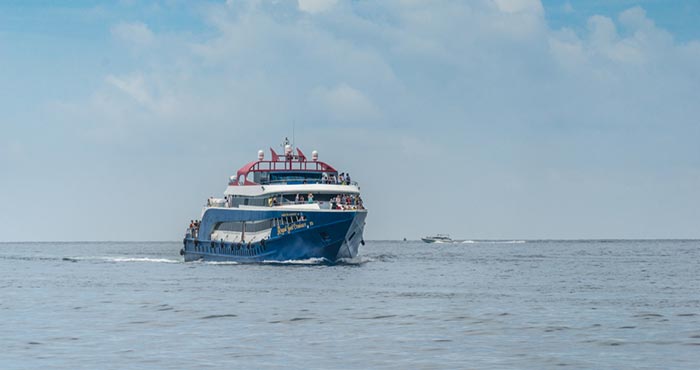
(401, 305)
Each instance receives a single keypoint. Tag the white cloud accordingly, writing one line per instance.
(316, 6)
(343, 103)
(136, 33)
(520, 6)
(636, 19)
(446, 55)
(602, 30)
(134, 87)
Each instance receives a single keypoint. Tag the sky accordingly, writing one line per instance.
(484, 119)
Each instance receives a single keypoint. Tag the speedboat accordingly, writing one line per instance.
(439, 238)
(286, 208)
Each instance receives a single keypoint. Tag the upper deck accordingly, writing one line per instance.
(289, 168)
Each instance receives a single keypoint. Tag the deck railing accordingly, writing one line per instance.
(302, 181)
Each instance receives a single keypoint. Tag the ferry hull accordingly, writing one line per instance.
(329, 236)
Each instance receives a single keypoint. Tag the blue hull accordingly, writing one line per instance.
(327, 235)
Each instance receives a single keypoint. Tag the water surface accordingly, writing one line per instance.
(534, 304)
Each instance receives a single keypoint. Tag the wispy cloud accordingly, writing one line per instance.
(134, 33)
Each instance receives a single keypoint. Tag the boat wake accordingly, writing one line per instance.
(143, 259)
(122, 259)
(359, 260)
(305, 262)
(309, 261)
(218, 262)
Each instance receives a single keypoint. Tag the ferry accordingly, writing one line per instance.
(286, 208)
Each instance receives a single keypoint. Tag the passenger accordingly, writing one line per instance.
(311, 198)
(301, 199)
(347, 178)
(269, 202)
(296, 199)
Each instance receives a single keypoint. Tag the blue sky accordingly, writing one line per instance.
(483, 119)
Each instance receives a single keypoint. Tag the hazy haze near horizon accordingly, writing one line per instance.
(507, 119)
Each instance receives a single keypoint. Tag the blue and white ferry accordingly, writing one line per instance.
(286, 208)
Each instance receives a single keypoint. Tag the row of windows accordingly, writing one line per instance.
(239, 249)
(255, 226)
(288, 219)
(263, 201)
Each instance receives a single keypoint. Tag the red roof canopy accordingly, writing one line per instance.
(281, 163)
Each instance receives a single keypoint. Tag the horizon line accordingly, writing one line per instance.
(369, 240)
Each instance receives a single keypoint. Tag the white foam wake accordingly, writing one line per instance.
(358, 260)
(310, 261)
(123, 259)
(141, 259)
(220, 263)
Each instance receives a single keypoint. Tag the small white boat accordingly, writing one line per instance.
(439, 238)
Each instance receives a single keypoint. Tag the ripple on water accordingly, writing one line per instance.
(218, 316)
(648, 316)
(551, 329)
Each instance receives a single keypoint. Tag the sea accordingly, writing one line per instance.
(509, 304)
